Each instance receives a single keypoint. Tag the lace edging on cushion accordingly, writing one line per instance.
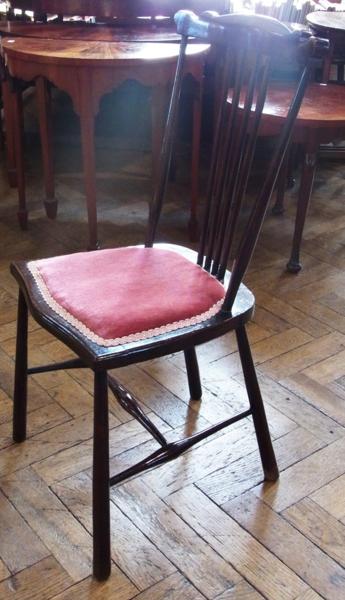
(133, 337)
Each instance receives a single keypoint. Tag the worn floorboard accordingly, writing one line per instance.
(205, 526)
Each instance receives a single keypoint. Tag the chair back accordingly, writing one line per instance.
(249, 47)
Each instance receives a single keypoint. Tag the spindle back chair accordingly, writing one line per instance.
(150, 301)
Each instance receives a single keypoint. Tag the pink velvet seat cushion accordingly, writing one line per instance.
(126, 294)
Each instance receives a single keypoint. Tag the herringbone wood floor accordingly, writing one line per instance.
(205, 526)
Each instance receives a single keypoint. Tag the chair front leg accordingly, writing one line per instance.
(100, 480)
(267, 455)
(193, 374)
(21, 372)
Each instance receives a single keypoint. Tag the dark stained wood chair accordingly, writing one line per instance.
(150, 301)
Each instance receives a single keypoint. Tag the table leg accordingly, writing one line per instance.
(87, 126)
(9, 129)
(304, 195)
(18, 126)
(44, 115)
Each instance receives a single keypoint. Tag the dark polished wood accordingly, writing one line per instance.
(230, 166)
(20, 381)
(100, 479)
(87, 70)
(321, 120)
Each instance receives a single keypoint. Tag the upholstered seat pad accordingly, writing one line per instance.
(126, 294)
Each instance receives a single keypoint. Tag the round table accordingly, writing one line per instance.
(321, 119)
(330, 25)
(75, 30)
(68, 30)
(87, 70)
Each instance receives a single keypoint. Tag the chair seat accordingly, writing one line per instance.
(123, 295)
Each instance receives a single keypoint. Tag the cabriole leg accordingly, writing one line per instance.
(268, 459)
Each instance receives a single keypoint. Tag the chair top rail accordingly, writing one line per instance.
(247, 49)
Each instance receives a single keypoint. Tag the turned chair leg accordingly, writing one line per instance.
(193, 374)
(268, 459)
(100, 480)
(21, 374)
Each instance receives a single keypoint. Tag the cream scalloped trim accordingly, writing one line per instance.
(133, 337)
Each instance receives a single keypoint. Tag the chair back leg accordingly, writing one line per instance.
(193, 374)
(21, 372)
(100, 480)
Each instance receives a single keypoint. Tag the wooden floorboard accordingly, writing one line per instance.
(205, 526)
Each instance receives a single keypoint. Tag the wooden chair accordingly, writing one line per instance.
(150, 301)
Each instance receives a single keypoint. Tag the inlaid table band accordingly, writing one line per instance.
(87, 70)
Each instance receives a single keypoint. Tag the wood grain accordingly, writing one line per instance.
(145, 565)
(313, 565)
(209, 573)
(320, 527)
(66, 539)
(205, 526)
(331, 498)
(43, 580)
(234, 544)
(304, 477)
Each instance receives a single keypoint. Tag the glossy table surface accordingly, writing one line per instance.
(323, 104)
(78, 52)
(85, 31)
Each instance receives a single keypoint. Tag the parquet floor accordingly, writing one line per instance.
(205, 526)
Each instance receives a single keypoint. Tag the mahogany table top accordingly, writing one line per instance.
(88, 31)
(325, 20)
(323, 104)
(87, 53)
